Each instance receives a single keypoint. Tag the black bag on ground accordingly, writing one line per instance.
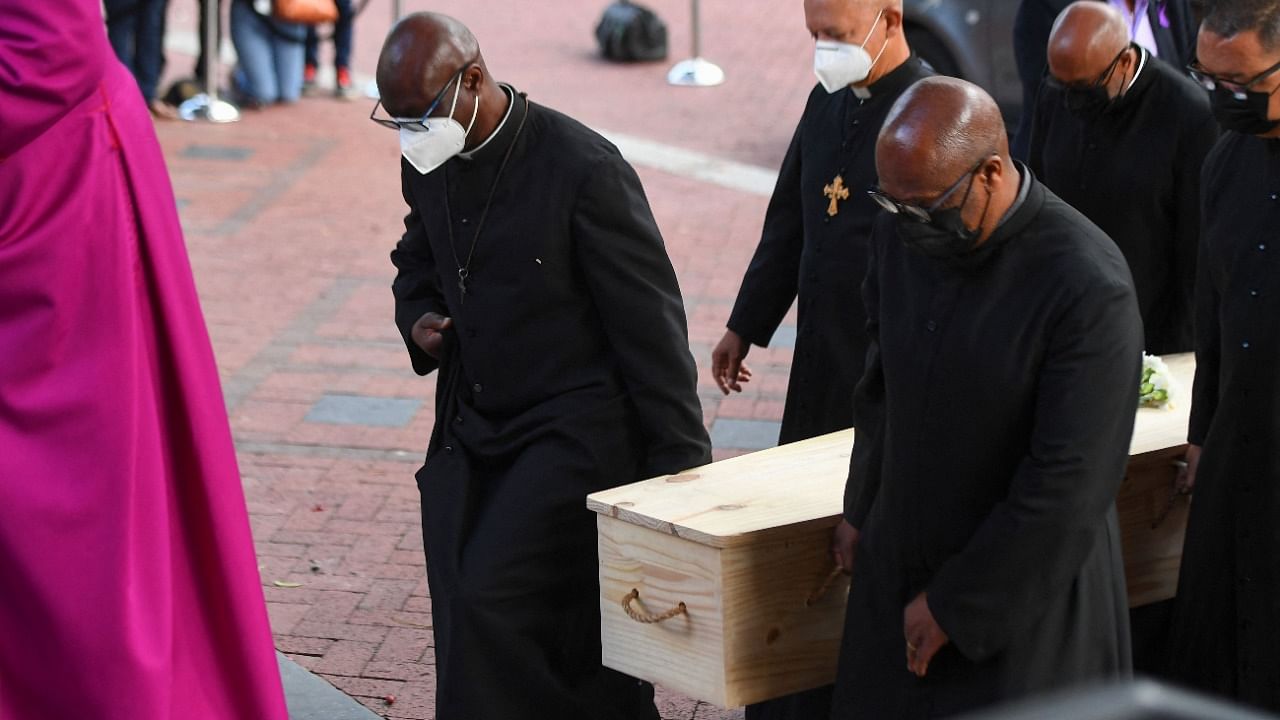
(630, 33)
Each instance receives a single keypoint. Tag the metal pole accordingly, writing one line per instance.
(697, 29)
(206, 106)
(696, 72)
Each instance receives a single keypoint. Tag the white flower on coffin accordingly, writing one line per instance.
(1158, 389)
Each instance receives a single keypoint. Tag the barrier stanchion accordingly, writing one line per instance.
(207, 106)
(696, 71)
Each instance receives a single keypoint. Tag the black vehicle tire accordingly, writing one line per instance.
(930, 49)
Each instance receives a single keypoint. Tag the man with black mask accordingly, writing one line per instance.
(1227, 612)
(1122, 139)
(993, 426)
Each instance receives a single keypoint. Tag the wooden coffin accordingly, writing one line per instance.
(717, 582)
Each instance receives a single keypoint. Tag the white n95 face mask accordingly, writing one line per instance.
(839, 65)
(444, 137)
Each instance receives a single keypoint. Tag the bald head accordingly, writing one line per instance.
(1086, 37)
(419, 57)
(939, 128)
(941, 131)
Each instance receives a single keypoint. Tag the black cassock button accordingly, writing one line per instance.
(458, 420)
(478, 387)
(1253, 293)
(931, 325)
(826, 220)
(1245, 344)
(466, 221)
(1262, 246)
(448, 448)
(1275, 195)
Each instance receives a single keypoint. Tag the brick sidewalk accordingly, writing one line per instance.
(290, 215)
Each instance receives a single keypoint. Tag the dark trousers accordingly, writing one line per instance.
(341, 37)
(136, 31)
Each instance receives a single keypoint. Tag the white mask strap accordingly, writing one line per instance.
(872, 31)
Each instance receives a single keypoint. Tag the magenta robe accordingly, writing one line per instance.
(128, 581)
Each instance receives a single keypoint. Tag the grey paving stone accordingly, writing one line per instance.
(744, 434)
(233, 153)
(784, 337)
(311, 698)
(364, 410)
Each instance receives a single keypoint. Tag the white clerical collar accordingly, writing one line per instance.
(1142, 63)
(862, 93)
(511, 102)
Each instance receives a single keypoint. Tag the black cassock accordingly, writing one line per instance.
(804, 252)
(1227, 612)
(568, 371)
(993, 429)
(1135, 172)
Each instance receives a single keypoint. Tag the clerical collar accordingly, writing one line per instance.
(1024, 188)
(1142, 63)
(893, 81)
(511, 103)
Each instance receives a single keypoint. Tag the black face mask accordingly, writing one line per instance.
(1086, 103)
(945, 236)
(1091, 100)
(1248, 116)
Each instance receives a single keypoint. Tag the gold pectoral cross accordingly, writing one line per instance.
(837, 192)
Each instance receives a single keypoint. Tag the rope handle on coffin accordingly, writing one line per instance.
(643, 617)
(680, 609)
(1175, 492)
(822, 588)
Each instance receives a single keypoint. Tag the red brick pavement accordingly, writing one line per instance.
(290, 215)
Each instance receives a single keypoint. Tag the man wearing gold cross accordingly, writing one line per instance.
(814, 243)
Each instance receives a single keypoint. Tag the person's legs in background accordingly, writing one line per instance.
(122, 29)
(149, 58)
(288, 55)
(342, 34)
(255, 75)
(312, 59)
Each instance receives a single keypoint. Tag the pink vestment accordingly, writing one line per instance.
(128, 582)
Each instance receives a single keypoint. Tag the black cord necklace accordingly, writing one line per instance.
(464, 269)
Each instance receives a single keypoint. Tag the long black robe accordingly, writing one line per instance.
(993, 430)
(1173, 23)
(568, 371)
(806, 253)
(1135, 172)
(1227, 612)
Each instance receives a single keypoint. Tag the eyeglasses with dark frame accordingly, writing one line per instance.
(925, 215)
(419, 125)
(1102, 79)
(1239, 91)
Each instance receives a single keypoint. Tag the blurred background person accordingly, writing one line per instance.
(271, 55)
(343, 30)
(136, 30)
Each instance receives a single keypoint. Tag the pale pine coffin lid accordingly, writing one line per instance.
(743, 499)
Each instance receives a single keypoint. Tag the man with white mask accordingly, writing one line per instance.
(814, 244)
(532, 276)
(815, 230)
